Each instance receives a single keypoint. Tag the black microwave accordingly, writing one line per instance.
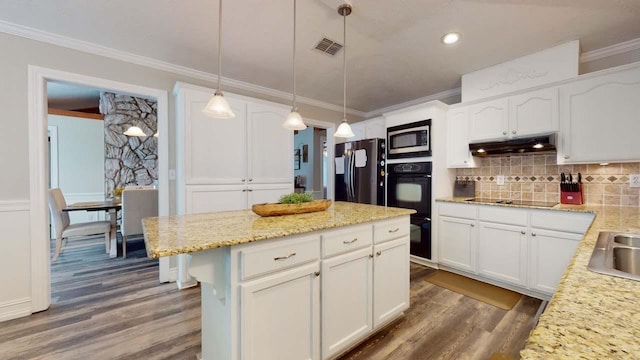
(409, 140)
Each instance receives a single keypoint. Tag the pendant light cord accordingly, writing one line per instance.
(219, 46)
(295, 108)
(344, 70)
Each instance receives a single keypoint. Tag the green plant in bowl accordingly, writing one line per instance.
(296, 198)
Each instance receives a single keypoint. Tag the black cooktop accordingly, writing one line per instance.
(513, 202)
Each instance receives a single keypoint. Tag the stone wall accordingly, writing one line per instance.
(129, 160)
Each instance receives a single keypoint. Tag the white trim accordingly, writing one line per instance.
(91, 48)
(612, 50)
(14, 205)
(415, 102)
(15, 309)
(52, 131)
(38, 178)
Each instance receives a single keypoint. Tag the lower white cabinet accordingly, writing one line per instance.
(211, 198)
(390, 280)
(280, 315)
(457, 242)
(549, 255)
(502, 252)
(347, 303)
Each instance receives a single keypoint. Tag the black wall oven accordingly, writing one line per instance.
(409, 140)
(409, 186)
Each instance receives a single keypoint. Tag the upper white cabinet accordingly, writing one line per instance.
(600, 118)
(458, 154)
(369, 129)
(528, 114)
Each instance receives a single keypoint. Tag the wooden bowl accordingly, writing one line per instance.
(276, 209)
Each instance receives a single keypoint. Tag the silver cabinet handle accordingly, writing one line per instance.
(533, 234)
(379, 253)
(284, 257)
(465, 161)
(249, 189)
(243, 180)
(504, 133)
(472, 225)
(566, 156)
(250, 180)
(350, 241)
(244, 190)
(427, 219)
(370, 256)
(513, 131)
(394, 230)
(317, 273)
(523, 232)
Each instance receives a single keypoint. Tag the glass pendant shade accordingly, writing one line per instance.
(134, 131)
(344, 130)
(218, 107)
(294, 121)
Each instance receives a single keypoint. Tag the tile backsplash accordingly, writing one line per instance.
(537, 178)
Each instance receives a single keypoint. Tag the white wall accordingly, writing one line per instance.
(80, 162)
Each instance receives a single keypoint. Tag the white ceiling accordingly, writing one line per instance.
(394, 51)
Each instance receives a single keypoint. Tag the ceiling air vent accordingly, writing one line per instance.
(328, 46)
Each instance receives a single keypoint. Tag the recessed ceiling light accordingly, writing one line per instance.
(450, 38)
(538, 146)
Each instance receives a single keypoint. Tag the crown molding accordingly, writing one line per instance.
(438, 96)
(616, 49)
(95, 49)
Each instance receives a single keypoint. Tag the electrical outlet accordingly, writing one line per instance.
(634, 180)
(500, 180)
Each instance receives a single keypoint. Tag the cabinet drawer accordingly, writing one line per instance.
(260, 259)
(390, 229)
(561, 221)
(343, 240)
(503, 215)
(465, 211)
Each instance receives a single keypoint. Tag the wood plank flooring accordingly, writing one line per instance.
(116, 309)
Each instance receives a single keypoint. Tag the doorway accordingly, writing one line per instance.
(313, 150)
(38, 166)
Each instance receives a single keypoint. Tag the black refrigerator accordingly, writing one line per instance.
(359, 171)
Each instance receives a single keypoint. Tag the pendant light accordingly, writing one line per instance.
(134, 131)
(344, 130)
(294, 120)
(218, 107)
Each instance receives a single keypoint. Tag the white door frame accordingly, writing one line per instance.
(331, 148)
(52, 131)
(38, 174)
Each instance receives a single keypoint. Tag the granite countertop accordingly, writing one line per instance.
(591, 315)
(181, 234)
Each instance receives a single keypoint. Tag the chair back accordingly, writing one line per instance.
(137, 204)
(56, 204)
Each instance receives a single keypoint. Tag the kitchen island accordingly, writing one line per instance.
(307, 286)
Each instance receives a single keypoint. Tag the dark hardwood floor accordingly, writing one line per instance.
(116, 309)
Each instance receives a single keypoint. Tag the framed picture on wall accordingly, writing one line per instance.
(305, 153)
(296, 159)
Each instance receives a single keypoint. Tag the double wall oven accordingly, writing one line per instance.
(409, 186)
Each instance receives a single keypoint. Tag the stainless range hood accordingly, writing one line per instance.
(536, 145)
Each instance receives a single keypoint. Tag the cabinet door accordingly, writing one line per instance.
(458, 154)
(270, 145)
(600, 118)
(203, 198)
(549, 254)
(214, 150)
(502, 252)
(390, 280)
(534, 113)
(375, 128)
(358, 131)
(489, 121)
(457, 242)
(280, 316)
(347, 292)
(267, 193)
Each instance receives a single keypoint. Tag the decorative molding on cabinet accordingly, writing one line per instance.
(14, 205)
(612, 50)
(91, 48)
(15, 309)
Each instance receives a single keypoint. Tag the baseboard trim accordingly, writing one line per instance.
(424, 262)
(15, 309)
(185, 284)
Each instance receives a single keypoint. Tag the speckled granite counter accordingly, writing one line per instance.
(591, 315)
(172, 235)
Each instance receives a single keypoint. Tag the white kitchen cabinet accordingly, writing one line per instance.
(489, 120)
(211, 198)
(280, 315)
(358, 131)
(600, 118)
(347, 303)
(502, 252)
(457, 242)
(390, 280)
(534, 113)
(375, 128)
(458, 154)
(549, 254)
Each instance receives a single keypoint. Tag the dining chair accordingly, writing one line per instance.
(63, 227)
(137, 204)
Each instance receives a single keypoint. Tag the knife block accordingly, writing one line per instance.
(572, 197)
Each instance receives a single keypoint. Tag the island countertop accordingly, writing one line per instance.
(182, 234)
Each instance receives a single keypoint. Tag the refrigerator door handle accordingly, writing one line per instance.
(352, 159)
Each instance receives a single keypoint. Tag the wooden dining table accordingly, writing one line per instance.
(111, 207)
